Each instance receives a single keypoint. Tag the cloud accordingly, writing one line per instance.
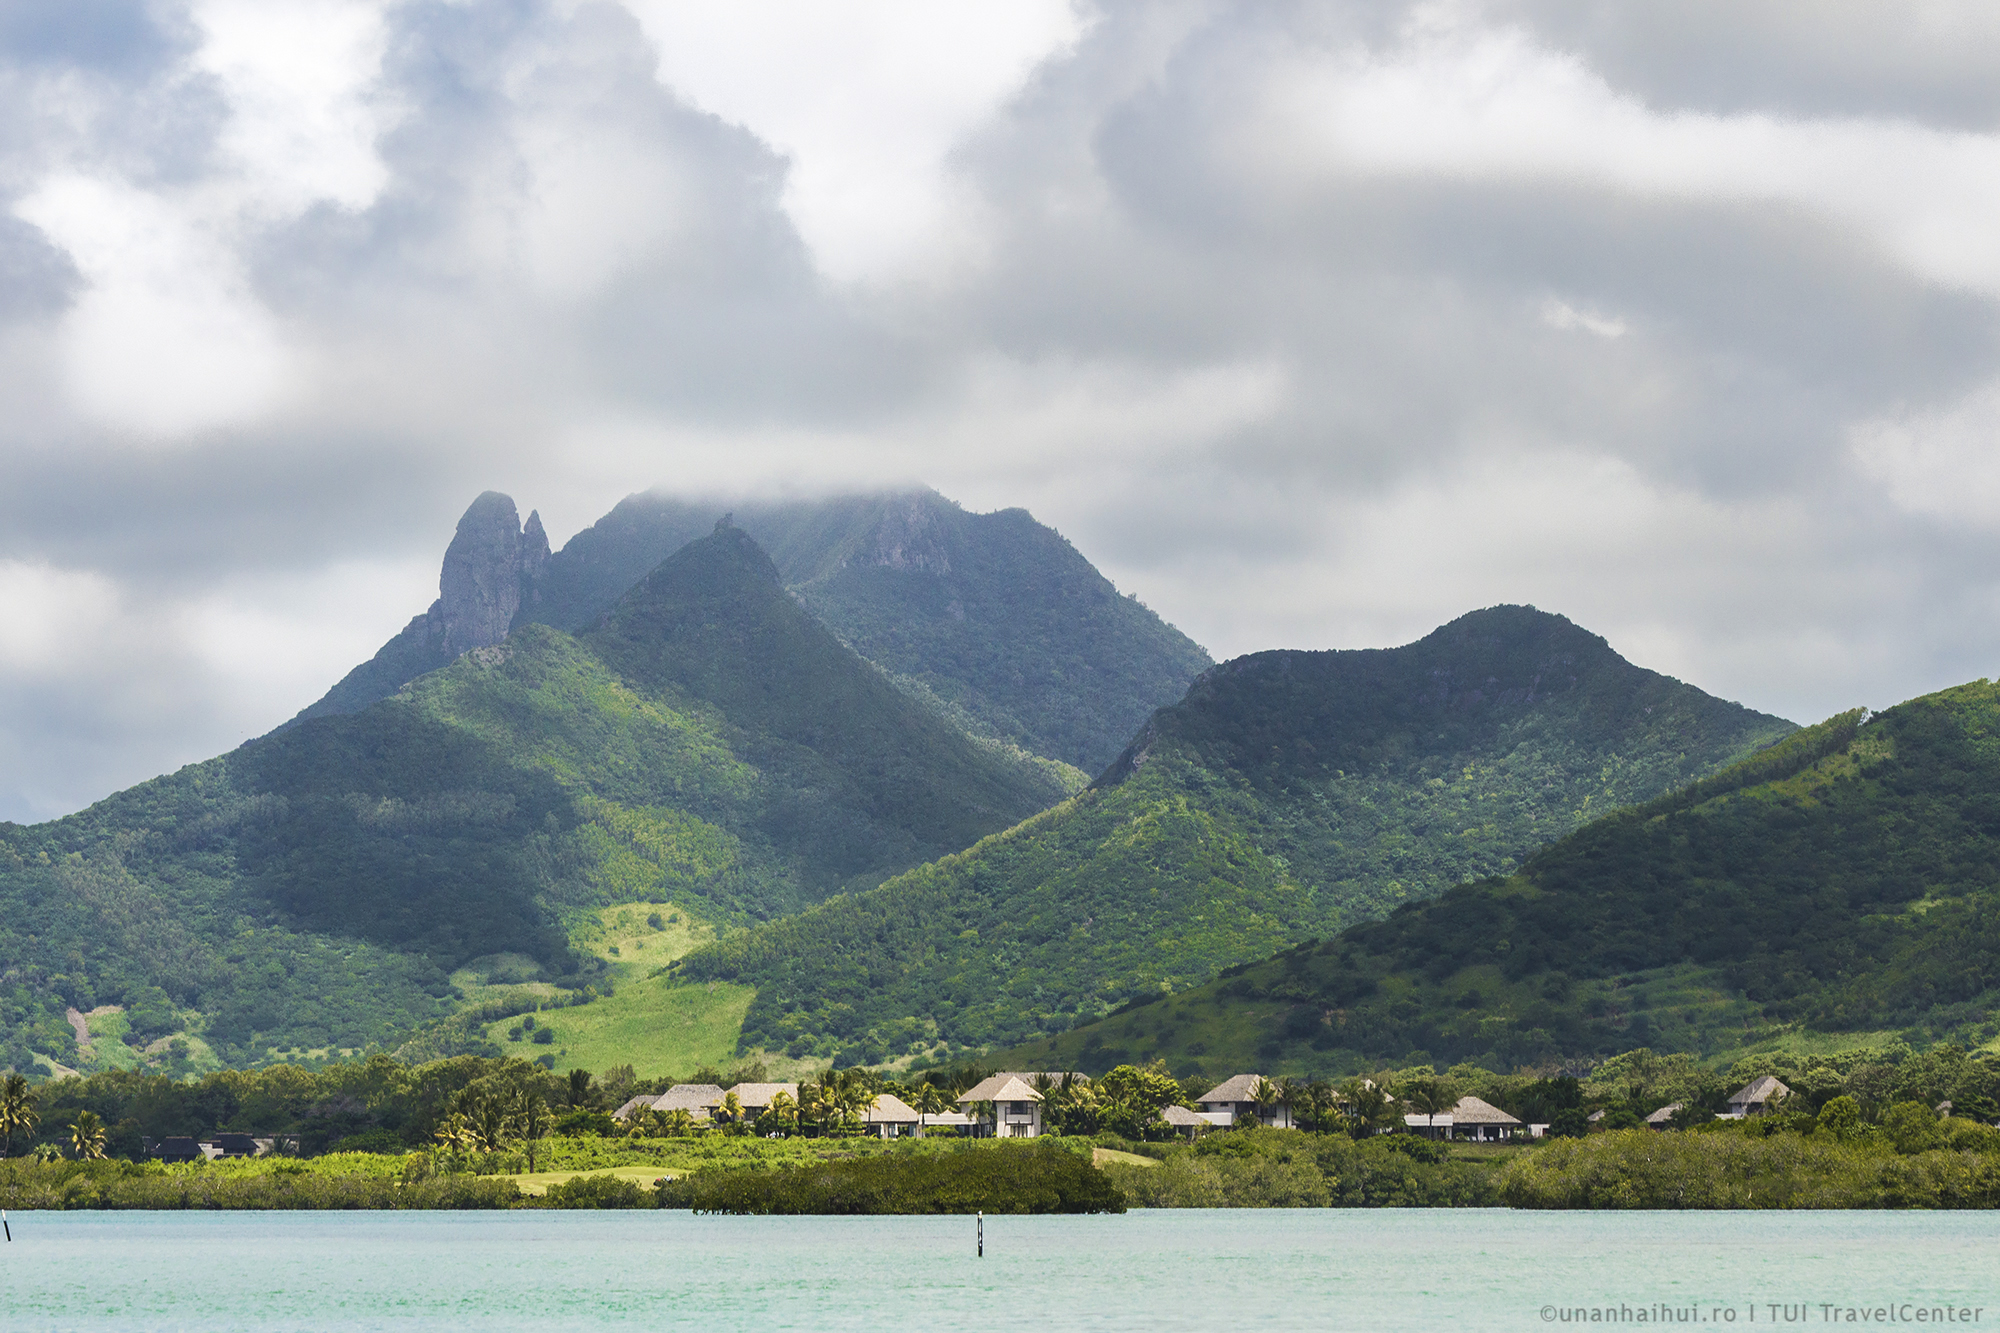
(1312, 324)
(866, 101)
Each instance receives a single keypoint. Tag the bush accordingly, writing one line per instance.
(1429, 1151)
(370, 1140)
(605, 1191)
(544, 1036)
(992, 1178)
(583, 1123)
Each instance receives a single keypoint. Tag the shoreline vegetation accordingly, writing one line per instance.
(1870, 1128)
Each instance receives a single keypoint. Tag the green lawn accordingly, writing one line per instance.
(539, 1181)
(659, 1026)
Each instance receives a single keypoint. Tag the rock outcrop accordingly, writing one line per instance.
(491, 564)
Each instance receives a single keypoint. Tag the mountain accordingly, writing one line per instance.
(493, 563)
(709, 744)
(993, 618)
(1844, 882)
(1288, 795)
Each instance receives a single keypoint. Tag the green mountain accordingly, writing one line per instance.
(992, 618)
(1288, 795)
(1845, 882)
(710, 744)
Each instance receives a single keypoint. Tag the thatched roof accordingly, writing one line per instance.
(1005, 1088)
(1182, 1118)
(643, 1101)
(1242, 1088)
(759, 1095)
(1664, 1115)
(1472, 1111)
(1760, 1091)
(889, 1109)
(697, 1099)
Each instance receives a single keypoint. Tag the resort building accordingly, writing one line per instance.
(1757, 1096)
(1016, 1108)
(892, 1118)
(1224, 1103)
(755, 1098)
(1469, 1120)
(699, 1100)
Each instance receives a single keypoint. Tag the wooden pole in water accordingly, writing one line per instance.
(6, 1226)
(982, 1233)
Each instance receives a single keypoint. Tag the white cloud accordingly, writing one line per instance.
(54, 617)
(1942, 463)
(168, 338)
(1458, 99)
(867, 99)
(1559, 314)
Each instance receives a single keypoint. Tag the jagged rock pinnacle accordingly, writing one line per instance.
(491, 564)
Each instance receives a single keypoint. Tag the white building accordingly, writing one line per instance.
(1223, 1103)
(1016, 1106)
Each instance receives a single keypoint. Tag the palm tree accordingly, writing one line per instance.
(1265, 1094)
(532, 1120)
(1369, 1107)
(732, 1107)
(1428, 1097)
(783, 1110)
(86, 1137)
(931, 1099)
(678, 1122)
(17, 1112)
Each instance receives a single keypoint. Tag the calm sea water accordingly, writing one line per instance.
(1306, 1269)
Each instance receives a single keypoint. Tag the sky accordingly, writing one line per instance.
(1312, 324)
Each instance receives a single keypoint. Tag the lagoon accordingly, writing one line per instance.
(1379, 1271)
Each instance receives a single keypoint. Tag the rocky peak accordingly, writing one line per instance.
(909, 537)
(491, 564)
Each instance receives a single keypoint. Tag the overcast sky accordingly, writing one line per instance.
(1314, 325)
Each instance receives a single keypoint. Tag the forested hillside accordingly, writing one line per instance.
(1290, 794)
(993, 619)
(710, 744)
(1846, 881)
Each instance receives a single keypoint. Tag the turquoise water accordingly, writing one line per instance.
(1378, 1271)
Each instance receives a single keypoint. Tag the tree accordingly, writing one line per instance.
(86, 1137)
(1265, 1094)
(18, 1116)
(1369, 1107)
(677, 1122)
(931, 1099)
(582, 1097)
(1427, 1097)
(1840, 1117)
(532, 1121)
(782, 1115)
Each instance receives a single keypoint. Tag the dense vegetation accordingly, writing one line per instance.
(709, 744)
(991, 619)
(998, 1178)
(1845, 881)
(1288, 795)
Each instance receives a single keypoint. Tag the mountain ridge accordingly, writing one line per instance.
(1288, 794)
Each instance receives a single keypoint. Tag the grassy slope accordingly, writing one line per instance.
(1844, 884)
(313, 889)
(1289, 795)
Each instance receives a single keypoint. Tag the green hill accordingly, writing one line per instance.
(1844, 883)
(711, 744)
(1288, 795)
(993, 619)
